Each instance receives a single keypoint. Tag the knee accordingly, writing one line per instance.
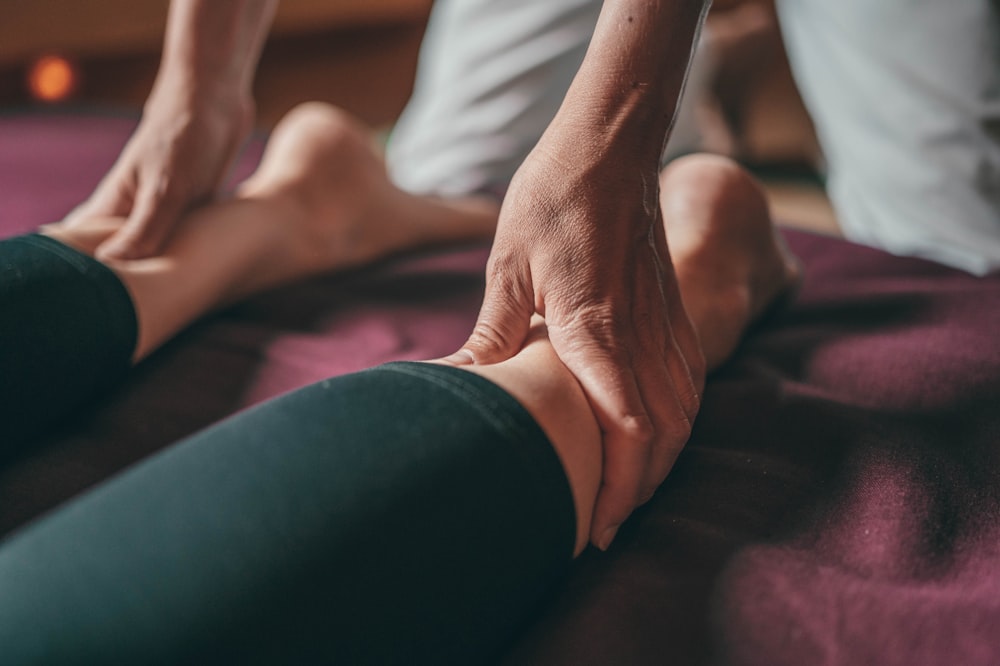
(317, 124)
(320, 153)
(315, 134)
(710, 182)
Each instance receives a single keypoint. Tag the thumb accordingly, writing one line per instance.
(502, 325)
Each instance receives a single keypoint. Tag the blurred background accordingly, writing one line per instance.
(361, 55)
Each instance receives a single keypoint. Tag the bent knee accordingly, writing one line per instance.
(714, 180)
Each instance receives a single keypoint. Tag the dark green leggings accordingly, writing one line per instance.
(405, 514)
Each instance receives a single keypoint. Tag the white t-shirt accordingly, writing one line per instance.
(905, 95)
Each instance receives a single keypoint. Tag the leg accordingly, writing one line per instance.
(731, 265)
(319, 201)
(408, 513)
(67, 332)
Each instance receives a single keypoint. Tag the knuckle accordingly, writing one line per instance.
(638, 430)
(690, 403)
(677, 429)
(685, 388)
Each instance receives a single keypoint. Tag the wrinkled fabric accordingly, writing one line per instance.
(837, 503)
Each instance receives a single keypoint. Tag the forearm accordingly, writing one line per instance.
(213, 45)
(626, 92)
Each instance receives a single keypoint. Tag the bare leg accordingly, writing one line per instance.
(319, 201)
(730, 265)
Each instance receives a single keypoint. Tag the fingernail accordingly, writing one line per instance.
(607, 537)
(461, 357)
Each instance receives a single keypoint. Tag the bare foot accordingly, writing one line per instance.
(731, 264)
(323, 181)
(328, 164)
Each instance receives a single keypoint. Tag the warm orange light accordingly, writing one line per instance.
(52, 78)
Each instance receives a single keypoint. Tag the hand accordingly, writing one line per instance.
(176, 159)
(582, 243)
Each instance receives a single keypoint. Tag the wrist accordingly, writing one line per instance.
(212, 47)
(196, 75)
(176, 90)
(627, 89)
(627, 126)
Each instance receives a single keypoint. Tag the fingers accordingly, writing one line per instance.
(642, 371)
(151, 205)
(628, 437)
(108, 200)
(148, 226)
(644, 422)
(504, 318)
(175, 159)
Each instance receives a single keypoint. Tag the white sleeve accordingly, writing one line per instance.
(491, 77)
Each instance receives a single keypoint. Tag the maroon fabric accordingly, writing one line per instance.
(838, 503)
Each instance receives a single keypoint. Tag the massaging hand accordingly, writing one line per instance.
(176, 159)
(581, 241)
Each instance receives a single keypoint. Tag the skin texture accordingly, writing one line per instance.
(321, 201)
(580, 241)
(197, 116)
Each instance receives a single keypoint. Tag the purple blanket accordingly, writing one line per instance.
(839, 502)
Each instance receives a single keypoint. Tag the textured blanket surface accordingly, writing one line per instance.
(839, 502)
